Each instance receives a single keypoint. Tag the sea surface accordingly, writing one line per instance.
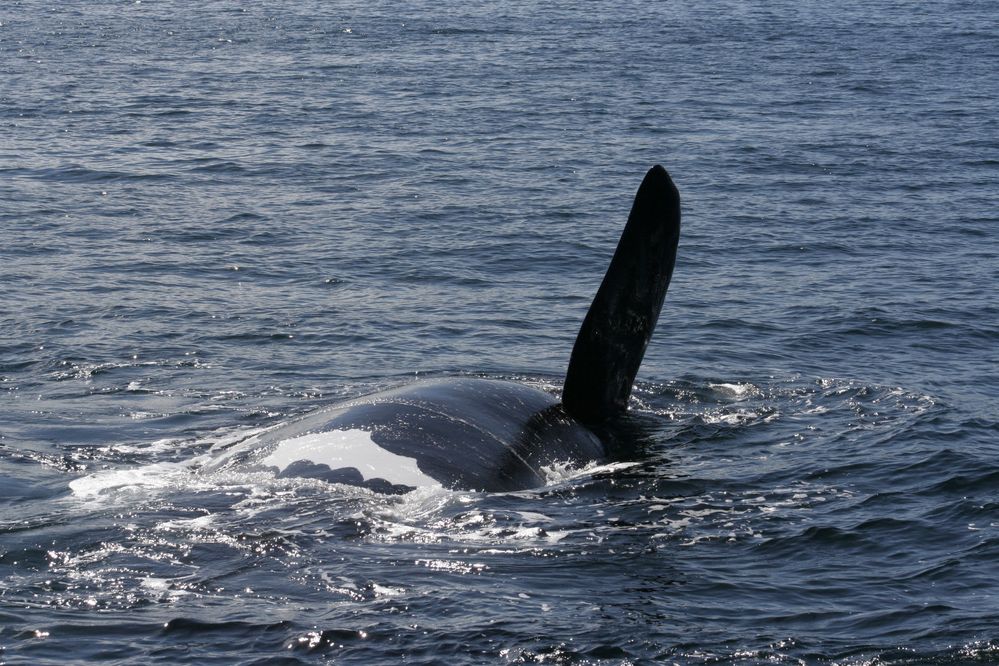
(217, 216)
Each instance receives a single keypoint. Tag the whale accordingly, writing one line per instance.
(480, 434)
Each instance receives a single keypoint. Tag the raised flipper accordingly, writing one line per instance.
(623, 315)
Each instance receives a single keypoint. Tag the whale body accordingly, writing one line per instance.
(463, 433)
(490, 435)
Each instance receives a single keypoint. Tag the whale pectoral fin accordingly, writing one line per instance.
(623, 315)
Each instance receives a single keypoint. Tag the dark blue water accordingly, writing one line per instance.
(217, 216)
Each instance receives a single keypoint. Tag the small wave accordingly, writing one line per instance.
(455, 31)
(191, 627)
(219, 167)
(88, 370)
(78, 174)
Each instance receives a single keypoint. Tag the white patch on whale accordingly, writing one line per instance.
(349, 448)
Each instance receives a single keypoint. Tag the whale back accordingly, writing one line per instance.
(623, 315)
(460, 433)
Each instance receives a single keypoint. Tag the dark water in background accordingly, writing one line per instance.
(217, 217)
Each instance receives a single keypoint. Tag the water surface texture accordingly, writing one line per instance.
(217, 216)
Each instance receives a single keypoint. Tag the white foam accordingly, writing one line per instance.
(193, 524)
(350, 448)
(737, 390)
(158, 475)
(386, 591)
(165, 587)
(563, 472)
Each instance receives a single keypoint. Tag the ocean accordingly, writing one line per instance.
(219, 216)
